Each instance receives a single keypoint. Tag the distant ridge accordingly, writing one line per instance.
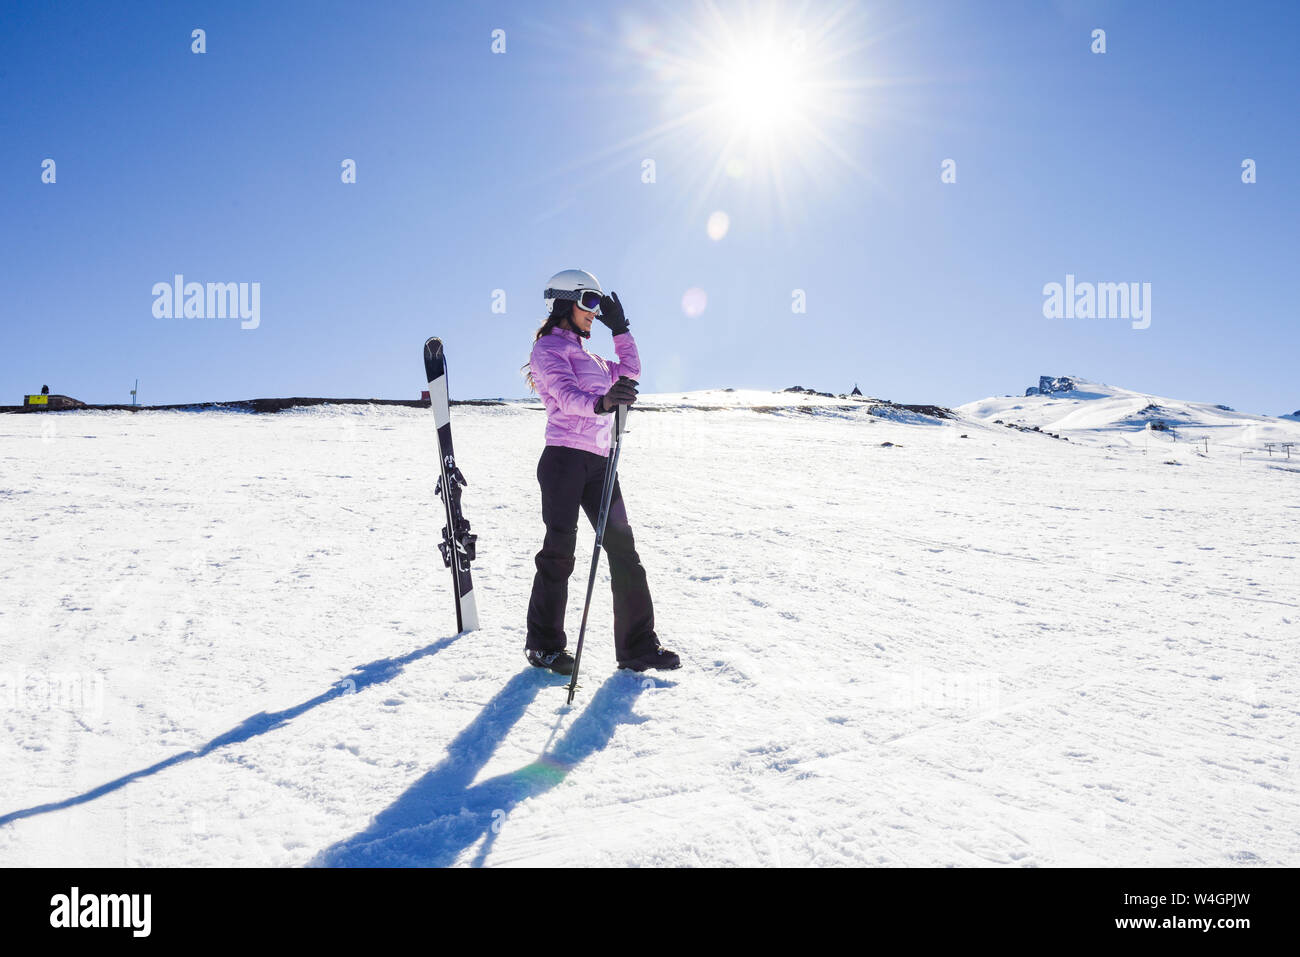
(795, 400)
(251, 405)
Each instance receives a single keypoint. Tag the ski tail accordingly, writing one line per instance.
(458, 545)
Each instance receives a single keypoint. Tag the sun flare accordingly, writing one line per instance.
(757, 104)
(759, 90)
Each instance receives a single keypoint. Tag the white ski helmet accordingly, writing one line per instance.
(571, 284)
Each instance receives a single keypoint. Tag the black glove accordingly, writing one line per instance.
(611, 313)
(622, 392)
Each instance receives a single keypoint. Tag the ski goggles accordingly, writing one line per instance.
(588, 299)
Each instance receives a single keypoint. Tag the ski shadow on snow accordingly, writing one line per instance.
(443, 813)
(361, 677)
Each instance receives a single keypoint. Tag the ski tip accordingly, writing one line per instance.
(432, 347)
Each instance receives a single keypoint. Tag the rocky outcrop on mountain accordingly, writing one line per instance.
(1048, 384)
(1029, 428)
(855, 394)
(908, 413)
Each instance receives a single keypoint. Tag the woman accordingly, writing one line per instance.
(579, 391)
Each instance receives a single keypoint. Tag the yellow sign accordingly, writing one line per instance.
(38, 400)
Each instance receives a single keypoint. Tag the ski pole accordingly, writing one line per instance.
(606, 496)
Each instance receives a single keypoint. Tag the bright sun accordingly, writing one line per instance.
(759, 91)
(759, 104)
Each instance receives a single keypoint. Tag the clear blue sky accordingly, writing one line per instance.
(480, 171)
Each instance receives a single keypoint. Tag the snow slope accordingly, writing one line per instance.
(229, 641)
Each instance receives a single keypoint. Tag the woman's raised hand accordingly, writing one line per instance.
(611, 313)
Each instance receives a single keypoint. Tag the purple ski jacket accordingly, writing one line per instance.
(570, 379)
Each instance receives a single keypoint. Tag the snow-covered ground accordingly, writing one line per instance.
(228, 640)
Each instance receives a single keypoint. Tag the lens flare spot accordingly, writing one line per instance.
(694, 301)
(718, 225)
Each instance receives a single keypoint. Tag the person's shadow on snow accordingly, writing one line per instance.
(361, 677)
(441, 814)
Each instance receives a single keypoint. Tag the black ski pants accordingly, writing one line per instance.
(573, 478)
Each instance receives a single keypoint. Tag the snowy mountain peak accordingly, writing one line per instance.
(1080, 406)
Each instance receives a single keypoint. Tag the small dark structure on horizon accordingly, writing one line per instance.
(856, 390)
(45, 401)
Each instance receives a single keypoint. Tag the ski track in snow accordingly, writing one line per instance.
(229, 640)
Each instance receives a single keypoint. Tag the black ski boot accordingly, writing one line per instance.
(658, 657)
(561, 662)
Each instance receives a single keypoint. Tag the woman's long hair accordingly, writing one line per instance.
(561, 312)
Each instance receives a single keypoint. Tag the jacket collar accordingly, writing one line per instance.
(567, 334)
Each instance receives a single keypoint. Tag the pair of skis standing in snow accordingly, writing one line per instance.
(586, 400)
